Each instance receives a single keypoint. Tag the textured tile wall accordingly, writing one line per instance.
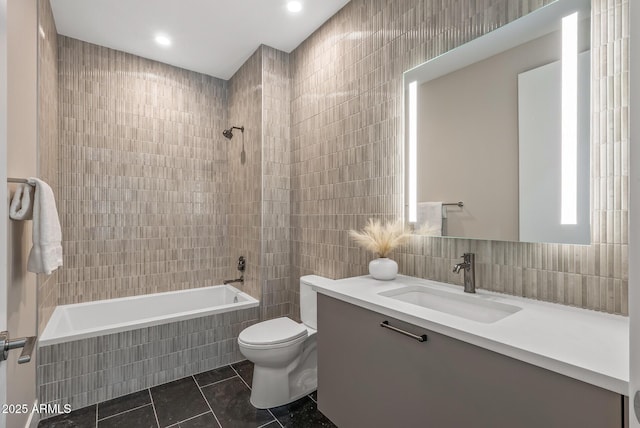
(259, 100)
(346, 142)
(153, 197)
(47, 295)
(276, 183)
(88, 371)
(244, 153)
(143, 191)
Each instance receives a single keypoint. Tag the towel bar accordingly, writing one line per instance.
(18, 180)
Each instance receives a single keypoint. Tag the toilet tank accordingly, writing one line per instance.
(308, 305)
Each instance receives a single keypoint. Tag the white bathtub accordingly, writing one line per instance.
(84, 320)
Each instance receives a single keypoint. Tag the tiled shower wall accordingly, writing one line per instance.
(47, 296)
(244, 153)
(143, 192)
(259, 100)
(152, 197)
(346, 133)
(276, 183)
(144, 202)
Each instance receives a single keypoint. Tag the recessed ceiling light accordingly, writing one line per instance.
(163, 40)
(294, 6)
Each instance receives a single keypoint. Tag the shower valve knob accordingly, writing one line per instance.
(242, 263)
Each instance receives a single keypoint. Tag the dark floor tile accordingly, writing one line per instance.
(203, 421)
(177, 401)
(81, 418)
(301, 413)
(229, 400)
(143, 417)
(122, 404)
(273, 424)
(245, 370)
(216, 375)
(314, 396)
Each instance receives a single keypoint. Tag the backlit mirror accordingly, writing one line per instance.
(497, 133)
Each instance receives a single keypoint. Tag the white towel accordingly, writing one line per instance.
(46, 253)
(21, 203)
(429, 218)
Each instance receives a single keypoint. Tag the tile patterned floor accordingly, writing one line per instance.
(214, 399)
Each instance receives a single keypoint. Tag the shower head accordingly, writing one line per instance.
(228, 132)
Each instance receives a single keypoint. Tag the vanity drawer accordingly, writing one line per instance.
(376, 377)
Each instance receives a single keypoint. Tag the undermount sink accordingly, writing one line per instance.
(472, 307)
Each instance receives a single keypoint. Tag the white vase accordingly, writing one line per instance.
(383, 269)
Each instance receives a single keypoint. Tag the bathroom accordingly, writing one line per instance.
(153, 198)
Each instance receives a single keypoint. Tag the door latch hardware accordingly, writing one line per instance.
(26, 343)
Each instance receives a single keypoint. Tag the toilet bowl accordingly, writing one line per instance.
(284, 355)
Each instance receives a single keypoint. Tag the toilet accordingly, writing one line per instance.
(284, 355)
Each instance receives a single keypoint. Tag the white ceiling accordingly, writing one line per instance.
(213, 37)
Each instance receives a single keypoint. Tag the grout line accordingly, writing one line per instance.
(121, 413)
(241, 378)
(188, 419)
(97, 415)
(310, 396)
(213, 383)
(154, 407)
(268, 423)
(269, 410)
(207, 401)
(274, 417)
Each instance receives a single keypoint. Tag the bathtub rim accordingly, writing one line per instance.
(43, 340)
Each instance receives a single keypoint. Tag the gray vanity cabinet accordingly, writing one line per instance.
(369, 376)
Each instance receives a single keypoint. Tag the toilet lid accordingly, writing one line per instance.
(273, 331)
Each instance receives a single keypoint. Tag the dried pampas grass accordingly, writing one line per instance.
(380, 239)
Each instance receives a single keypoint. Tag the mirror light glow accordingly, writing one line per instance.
(569, 204)
(413, 150)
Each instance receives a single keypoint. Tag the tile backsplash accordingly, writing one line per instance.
(346, 134)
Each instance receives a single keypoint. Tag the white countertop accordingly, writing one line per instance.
(586, 345)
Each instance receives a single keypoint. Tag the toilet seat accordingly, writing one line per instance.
(273, 333)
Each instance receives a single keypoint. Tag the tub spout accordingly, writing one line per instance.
(232, 281)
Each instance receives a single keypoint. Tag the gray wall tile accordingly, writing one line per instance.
(346, 139)
(143, 194)
(87, 371)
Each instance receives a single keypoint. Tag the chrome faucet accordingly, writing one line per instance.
(242, 265)
(469, 266)
(231, 281)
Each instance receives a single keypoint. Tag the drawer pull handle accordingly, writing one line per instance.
(420, 338)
